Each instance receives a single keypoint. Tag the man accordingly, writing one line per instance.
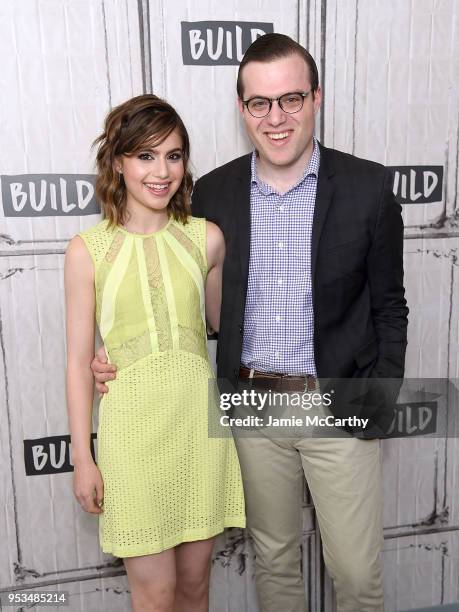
(312, 287)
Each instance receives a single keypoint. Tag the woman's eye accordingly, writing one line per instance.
(175, 156)
(145, 156)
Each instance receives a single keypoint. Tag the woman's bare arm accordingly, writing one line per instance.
(80, 324)
(215, 259)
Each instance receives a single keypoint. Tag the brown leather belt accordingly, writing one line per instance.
(278, 382)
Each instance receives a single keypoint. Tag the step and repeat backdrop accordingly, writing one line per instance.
(390, 75)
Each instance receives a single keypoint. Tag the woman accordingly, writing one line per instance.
(149, 274)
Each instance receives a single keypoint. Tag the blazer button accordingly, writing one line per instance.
(240, 329)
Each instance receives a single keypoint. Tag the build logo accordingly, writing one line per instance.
(48, 195)
(214, 43)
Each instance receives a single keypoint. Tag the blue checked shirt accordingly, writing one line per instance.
(279, 318)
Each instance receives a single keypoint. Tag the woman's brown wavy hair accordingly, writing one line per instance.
(128, 128)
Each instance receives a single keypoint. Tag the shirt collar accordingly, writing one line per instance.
(312, 169)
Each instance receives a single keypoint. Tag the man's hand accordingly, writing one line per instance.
(102, 370)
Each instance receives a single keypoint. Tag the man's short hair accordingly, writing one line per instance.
(273, 46)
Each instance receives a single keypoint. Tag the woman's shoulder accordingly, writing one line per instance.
(98, 239)
(195, 222)
(97, 230)
(193, 227)
(192, 235)
(200, 230)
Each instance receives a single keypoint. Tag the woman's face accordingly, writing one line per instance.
(153, 175)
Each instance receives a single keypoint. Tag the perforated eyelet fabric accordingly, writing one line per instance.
(165, 480)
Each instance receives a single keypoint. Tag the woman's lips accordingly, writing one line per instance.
(158, 189)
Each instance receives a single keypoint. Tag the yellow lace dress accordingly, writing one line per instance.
(165, 480)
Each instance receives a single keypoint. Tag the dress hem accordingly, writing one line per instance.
(187, 536)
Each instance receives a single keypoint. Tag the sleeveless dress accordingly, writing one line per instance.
(165, 480)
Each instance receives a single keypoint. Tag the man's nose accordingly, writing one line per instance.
(277, 115)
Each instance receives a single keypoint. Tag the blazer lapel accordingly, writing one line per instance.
(241, 198)
(324, 196)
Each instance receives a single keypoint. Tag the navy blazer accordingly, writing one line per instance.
(360, 312)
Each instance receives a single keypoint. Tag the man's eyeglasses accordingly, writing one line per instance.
(290, 103)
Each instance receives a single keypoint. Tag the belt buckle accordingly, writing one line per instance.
(309, 379)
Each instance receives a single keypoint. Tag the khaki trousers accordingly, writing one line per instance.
(343, 475)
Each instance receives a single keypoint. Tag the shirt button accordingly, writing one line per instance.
(279, 281)
(280, 245)
(277, 354)
(282, 208)
(278, 318)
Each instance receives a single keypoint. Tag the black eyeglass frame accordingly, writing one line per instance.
(303, 94)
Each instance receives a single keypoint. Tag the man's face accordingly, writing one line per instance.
(282, 140)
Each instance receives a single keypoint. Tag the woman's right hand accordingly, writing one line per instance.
(102, 370)
(88, 487)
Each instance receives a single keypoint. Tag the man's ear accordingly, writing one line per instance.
(317, 99)
(240, 105)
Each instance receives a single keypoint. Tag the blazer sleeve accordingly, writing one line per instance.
(198, 201)
(385, 277)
